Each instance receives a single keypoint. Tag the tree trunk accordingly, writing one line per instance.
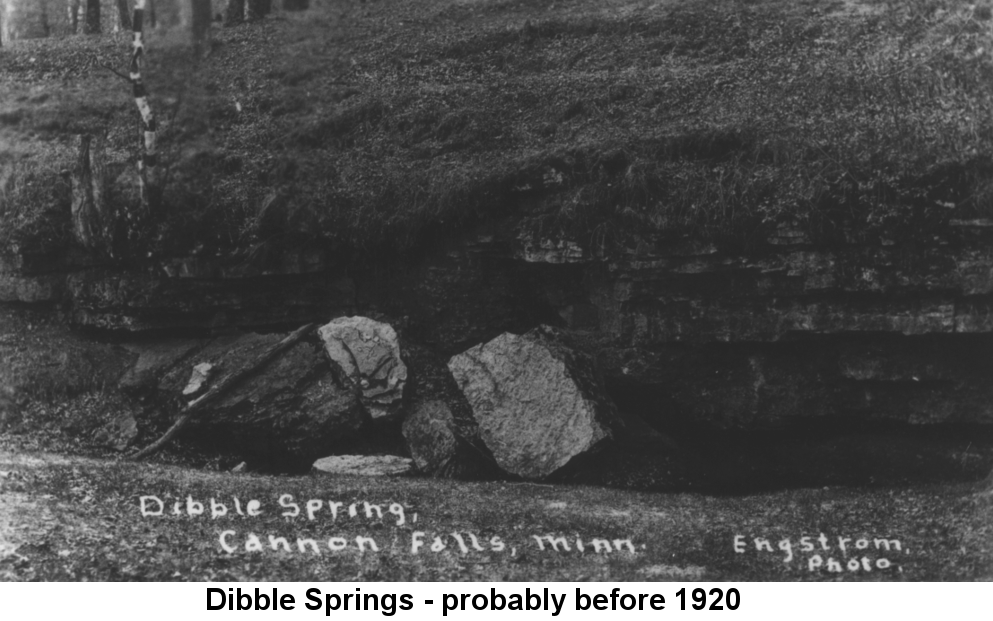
(124, 14)
(257, 9)
(92, 17)
(148, 162)
(234, 12)
(91, 217)
(24, 19)
(98, 185)
(201, 26)
(72, 12)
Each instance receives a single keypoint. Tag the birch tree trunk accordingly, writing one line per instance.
(148, 162)
(72, 12)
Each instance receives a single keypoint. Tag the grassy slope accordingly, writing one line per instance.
(365, 122)
(76, 519)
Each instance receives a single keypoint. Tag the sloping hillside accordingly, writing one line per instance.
(372, 123)
(770, 220)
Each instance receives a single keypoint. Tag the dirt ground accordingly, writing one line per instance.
(82, 519)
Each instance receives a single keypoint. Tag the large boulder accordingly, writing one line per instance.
(289, 413)
(440, 432)
(368, 354)
(538, 402)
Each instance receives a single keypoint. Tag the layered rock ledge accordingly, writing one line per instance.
(694, 337)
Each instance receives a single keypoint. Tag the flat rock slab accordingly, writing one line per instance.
(368, 353)
(365, 465)
(538, 403)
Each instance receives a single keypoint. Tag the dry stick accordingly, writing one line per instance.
(117, 73)
(229, 381)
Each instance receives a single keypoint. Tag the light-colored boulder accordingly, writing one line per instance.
(368, 354)
(538, 403)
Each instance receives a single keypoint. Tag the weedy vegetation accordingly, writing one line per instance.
(376, 126)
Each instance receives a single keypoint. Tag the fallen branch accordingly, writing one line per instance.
(124, 77)
(196, 405)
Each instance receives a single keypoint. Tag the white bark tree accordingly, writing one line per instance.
(72, 14)
(148, 161)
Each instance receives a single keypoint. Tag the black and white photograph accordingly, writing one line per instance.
(527, 291)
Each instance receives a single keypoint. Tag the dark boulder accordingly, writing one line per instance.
(439, 430)
(286, 415)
